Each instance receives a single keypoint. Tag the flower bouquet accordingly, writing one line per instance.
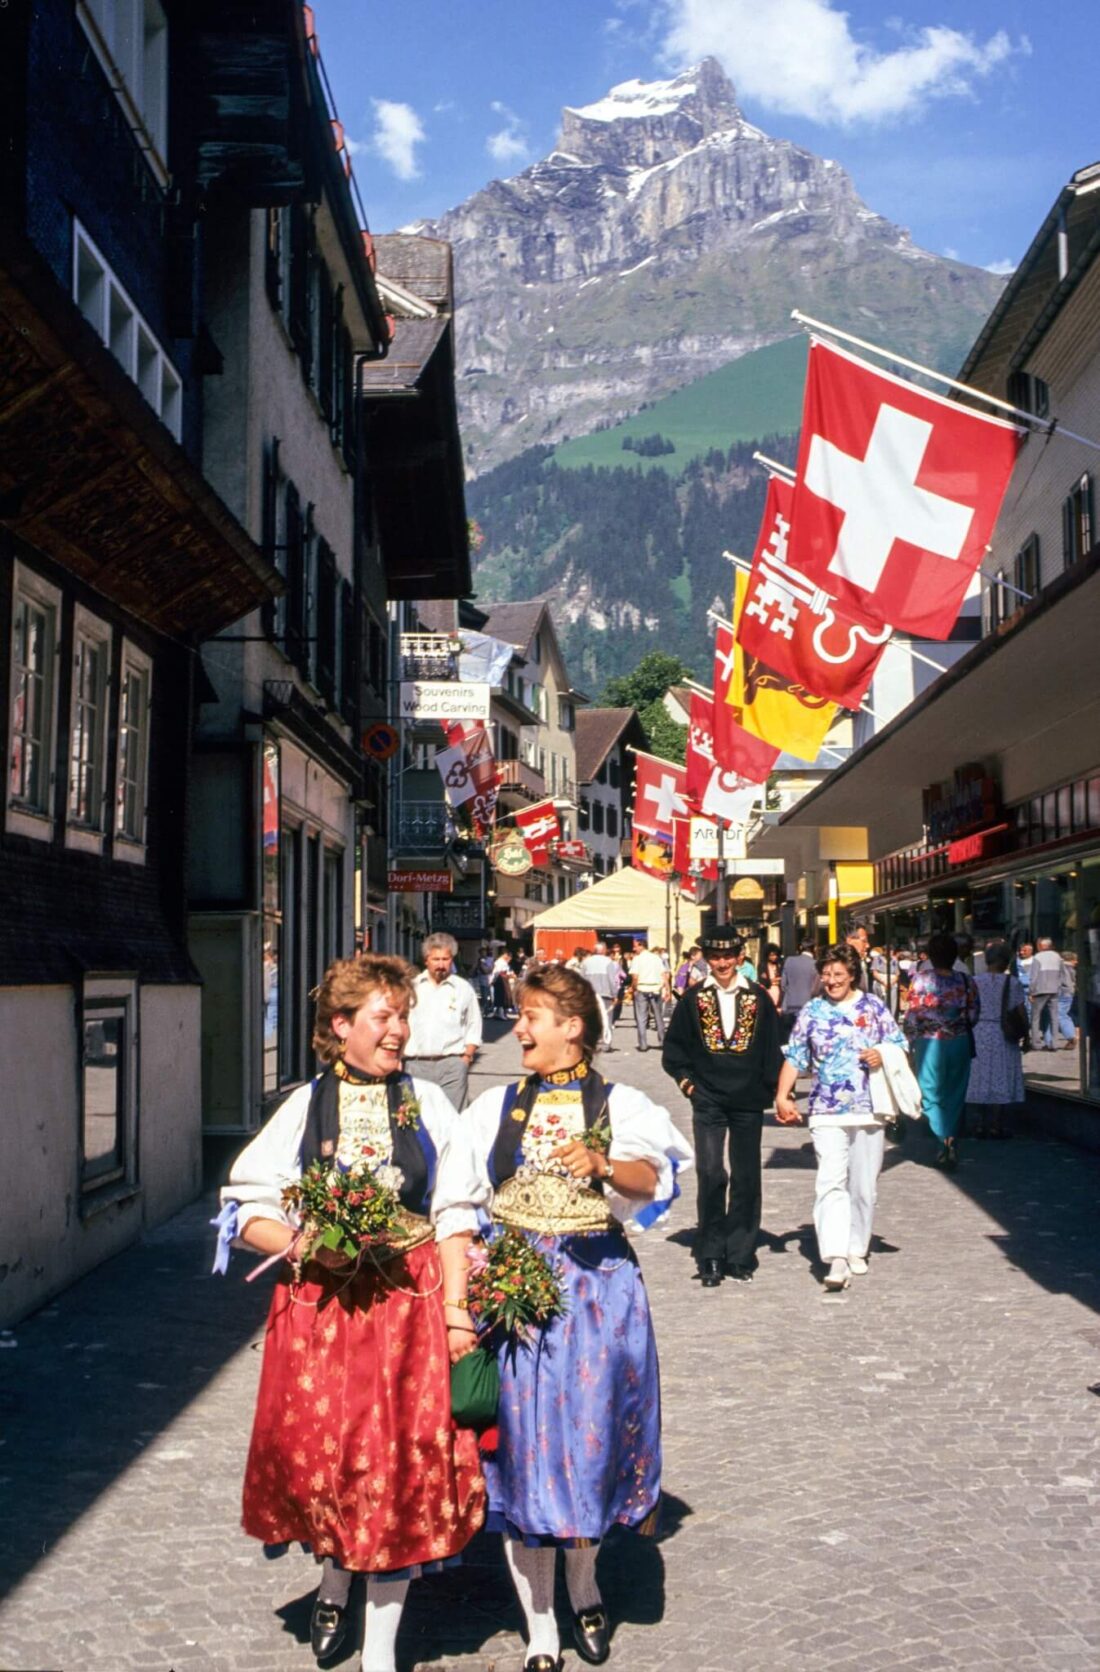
(597, 1138)
(347, 1211)
(513, 1287)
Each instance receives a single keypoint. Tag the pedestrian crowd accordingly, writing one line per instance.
(459, 1337)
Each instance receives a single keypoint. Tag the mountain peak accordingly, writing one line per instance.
(648, 122)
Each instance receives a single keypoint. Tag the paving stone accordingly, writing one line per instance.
(904, 1478)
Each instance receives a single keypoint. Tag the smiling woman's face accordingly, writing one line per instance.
(836, 982)
(375, 1036)
(548, 1041)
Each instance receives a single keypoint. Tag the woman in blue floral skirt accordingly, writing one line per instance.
(579, 1447)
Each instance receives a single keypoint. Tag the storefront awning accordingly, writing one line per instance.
(1027, 695)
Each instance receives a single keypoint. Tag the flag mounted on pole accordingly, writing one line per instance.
(770, 706)
(738, 754)
(700, 746)
(660, 794)
(469, 771)
(896, 495)
(789, 624)
(539, 826)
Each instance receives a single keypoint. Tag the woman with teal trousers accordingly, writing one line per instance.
(943, 1008)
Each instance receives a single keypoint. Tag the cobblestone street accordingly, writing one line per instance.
(906, 1475)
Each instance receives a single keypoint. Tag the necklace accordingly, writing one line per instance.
(355, 1076)
(566, 1076)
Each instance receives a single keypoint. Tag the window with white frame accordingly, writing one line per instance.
(111, 314)
(134, 695)
(36, 615)
(130, 40)
(88, 723)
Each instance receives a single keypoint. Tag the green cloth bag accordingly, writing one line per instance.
(475, 1390)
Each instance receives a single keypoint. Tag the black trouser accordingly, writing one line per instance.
(728, 1230)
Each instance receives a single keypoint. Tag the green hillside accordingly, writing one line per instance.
(759, 394)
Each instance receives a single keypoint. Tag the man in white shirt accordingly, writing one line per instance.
(603, 977)
(650, 980)
(445, 1022)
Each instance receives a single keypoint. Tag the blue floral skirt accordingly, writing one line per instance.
(579, 1446)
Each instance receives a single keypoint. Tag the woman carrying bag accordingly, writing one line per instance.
(561, 1158)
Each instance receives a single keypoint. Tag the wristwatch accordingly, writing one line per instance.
(609, 1172)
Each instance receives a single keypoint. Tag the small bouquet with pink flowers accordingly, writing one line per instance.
(513, 1287)
(347, 1211)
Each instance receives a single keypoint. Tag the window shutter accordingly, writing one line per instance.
(295, 576)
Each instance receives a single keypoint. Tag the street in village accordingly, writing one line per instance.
(906, 1475)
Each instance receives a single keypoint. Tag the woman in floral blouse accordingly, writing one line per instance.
(943, 1008)
(837, 1039)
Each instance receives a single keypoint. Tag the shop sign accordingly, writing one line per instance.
(965, 802)
(509, 855)
(978, 845)
(420, 882)
(443, 699)
(703, 839)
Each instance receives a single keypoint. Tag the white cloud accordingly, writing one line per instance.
(398, 131)
(509, 144)
(1001, 268)
(800, 57)
(952, 254)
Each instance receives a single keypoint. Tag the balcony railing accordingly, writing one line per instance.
(429, 655)
(422, 827)
(459, 914)
(517, 775)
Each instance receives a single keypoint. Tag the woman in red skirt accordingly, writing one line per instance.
(353, 1451)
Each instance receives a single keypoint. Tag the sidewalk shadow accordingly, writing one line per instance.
(103, 1370)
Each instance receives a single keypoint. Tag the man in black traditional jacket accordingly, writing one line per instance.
(722, 1049)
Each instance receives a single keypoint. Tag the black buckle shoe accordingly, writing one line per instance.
(710, 1273)
(328, 1627)
(739, 1274)
(592, 1635)
(543, 1663)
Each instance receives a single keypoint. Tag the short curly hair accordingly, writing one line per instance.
(346, 985)
(844, 954)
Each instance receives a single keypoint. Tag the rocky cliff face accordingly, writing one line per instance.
(663, 237)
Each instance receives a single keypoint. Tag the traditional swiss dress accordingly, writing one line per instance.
(353, 1451)
(579, 1423)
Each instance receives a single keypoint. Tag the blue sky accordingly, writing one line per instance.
(959, 119)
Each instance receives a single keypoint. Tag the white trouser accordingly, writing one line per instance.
(605, 1011)
(849, 1160)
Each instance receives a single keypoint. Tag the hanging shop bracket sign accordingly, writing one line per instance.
(441, 699)
(420, 882)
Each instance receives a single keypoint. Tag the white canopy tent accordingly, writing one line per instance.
(625, 902)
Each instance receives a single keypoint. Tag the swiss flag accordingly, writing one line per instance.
(540, 827)
(660, 794)
(897, 494)
(791, 626)
(737, 753)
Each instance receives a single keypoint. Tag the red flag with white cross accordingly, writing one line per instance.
(896, 495)
(791, 625)
(539, 825)
(660, 794)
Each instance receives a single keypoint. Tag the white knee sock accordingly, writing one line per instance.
(580, 1578)
(335, 1584)
(533, 1577)
(385, 1601)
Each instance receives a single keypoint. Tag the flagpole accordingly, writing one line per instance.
(787, 471)
(1048, 426)
(901, 644)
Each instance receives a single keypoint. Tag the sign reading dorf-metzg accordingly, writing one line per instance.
(443, 699)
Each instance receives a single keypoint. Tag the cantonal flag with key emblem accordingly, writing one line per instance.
(789, 624)
(896, 495)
